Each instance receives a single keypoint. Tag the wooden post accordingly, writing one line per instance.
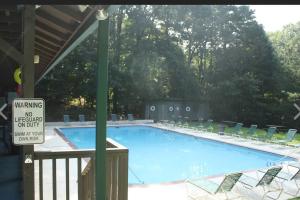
(28, 92)
(101, 109)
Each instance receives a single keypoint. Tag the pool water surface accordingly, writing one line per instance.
(157, 155)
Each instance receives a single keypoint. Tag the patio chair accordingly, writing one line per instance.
(130, 117)
(268, 136)
(237, 130)
(66, 119)
(212, 188)
(114, 117)
(179, 121)
(290, 177)
(290, 135)
(81, 118)
(263, 182)
(186, 122)
(251, 131)
(206, 126)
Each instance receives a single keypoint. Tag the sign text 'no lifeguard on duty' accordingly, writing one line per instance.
(28, 116)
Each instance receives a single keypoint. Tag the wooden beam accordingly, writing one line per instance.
(44, 57)
(46, 50)
(67, 10)
(40, 65)
(55, 21)
(53, 26)
(49, 30)
(38, 50)
(11, 51)
(42, 54)
(48, 38)
(28, 70)
(46, 44)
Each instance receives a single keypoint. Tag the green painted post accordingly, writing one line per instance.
(28, 92)
(101, 109)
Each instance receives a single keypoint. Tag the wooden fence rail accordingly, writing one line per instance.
(116, 175)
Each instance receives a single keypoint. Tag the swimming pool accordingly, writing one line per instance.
(157, 155)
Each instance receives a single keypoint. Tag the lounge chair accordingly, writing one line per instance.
(213, 188)
(130, 117)
(114, 117)
(186, 123)
(288, 137)
(251, 131)
(288, 179)
(268, 136)
(179, 121)
(237, 130)
(81, 118)
(263, 181)
(66, 119)
(206, 126)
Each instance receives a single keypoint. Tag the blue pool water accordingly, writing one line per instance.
(157, 155)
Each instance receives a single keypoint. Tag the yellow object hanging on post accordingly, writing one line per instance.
(17, 76)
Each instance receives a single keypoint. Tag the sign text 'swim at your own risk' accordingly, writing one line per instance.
(28, 121)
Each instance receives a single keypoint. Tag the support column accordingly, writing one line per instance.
(28, 92)
(101, 108)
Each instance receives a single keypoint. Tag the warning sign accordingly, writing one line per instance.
(28, 121)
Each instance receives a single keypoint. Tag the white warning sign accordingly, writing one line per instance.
(28, 116)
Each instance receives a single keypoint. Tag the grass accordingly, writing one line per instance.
(259, 133)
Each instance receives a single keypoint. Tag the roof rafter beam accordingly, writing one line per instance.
(11, 51)
(49, 30)
(40, 51)
(55, 21)
(42, 55)
(46, 44)
(75, 15)
(48, 38)
(45, 50)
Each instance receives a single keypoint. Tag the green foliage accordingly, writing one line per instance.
(287, 46)
(207, 53)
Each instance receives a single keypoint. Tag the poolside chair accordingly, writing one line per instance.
(213, 188)
(251, 131)
(186, 123)
(237, 130)
(81, 118)
(206, 126)
(130, 117)
(263, 182)
(290, 178)
(268, 136)
(179, 121)
(288, 137)
(66, 119)
(114, 117)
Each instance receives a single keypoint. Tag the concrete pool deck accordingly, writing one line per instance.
(172, 191)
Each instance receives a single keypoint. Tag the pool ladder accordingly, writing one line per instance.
(134, 174)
